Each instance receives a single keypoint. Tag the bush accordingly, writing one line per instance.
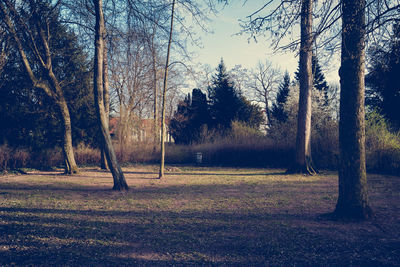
(382, 145)
(11, 159)
(242, 146)
(86, 155)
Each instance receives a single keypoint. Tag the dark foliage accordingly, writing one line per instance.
(383, 83)
(278, 110)
(190, 119)
(319, 82)
(195, 115)
(227, 104)
(28, 118)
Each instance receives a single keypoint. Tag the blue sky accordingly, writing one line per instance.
(236, 49)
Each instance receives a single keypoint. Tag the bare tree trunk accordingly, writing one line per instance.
(267, 111)
(118, 176)
(162, 161)
(68, 151)
(156, 130)
(353, 196)
(303, 161)
(106, 98)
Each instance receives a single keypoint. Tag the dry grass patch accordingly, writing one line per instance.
(199, 216)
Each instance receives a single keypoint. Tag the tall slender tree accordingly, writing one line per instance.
(106, 99)
(118, 176)
(353, 196)
(163, 128)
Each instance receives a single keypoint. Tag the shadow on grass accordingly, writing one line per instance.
(76, 237)
(210, 174)
(125, 235)
(214, 191)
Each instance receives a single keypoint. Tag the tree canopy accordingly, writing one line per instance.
(382, 81)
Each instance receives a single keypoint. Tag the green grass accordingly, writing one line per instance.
(196, 216)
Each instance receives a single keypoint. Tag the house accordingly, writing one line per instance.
(137, 131)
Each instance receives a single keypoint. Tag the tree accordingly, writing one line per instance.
(383, 84)
(227, 104)
(278, 108)
(180, 123)
(118, 176)
(4, 43)
(319, 81)
(280, 21)
(303, 160)
(191, 118)
(34, 122)
(32, 37)
(265, 78)
(161, 174)
(353, 197)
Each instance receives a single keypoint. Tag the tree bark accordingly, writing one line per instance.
(303, 161)
(353, 196)
(118, 176)
(68, 151)
(156, 130)
(162, 161)
(106, 99)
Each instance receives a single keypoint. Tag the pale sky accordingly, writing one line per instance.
(238, 50)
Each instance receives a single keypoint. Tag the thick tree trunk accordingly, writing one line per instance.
(70, 164)
(162, 161)
(118, 176)
(106, 99)
(303, 160)
(353, 196)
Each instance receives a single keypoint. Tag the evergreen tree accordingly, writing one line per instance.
(278, 108)
(224, 100)
(28, 117)
(195, 114)
(383, 83)
(179, 124)
(319, 80)
(190, 118)
(227, 104)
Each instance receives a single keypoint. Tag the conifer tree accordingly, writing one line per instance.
(319, 80)
(278, 110)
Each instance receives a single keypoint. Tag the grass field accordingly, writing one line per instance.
(196, 216)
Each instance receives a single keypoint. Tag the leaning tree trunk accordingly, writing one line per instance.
(68, 151)
(162, 161)
(353, 196)
(303, 161)
(118, 176)
(106, 99)
(70, 164)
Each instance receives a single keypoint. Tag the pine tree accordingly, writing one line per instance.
(319, 81)
(225, 101)
(278, 110)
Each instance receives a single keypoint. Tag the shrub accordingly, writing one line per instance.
(382, 145)
(86, 155)
(13, 158)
